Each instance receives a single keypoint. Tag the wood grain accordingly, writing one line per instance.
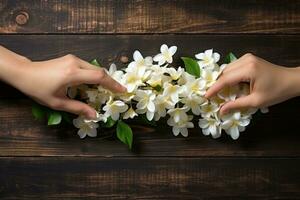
(280, 49)
(271, 134)
(135, 16)
(20, 135)
(149, 178)
(41, 162)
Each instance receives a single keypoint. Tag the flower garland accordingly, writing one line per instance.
(155, 90)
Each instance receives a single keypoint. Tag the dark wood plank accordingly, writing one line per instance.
(134, 16)
(269, 136)
(149, 178)
(279, 49)
(273, 134)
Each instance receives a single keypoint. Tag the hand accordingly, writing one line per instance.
(47, 81)
(269, 83)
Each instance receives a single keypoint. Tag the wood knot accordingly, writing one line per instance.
(22, 18)
(124, 59)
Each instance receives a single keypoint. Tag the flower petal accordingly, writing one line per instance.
(151, 106)
(203, 123)
(199, 56)
(164, 48)
(234, 132)
(175, 130)
(92, 132)
(216, 57)
(149, 115)
(205, 131)
(209, 52)
(184, 132)
(81, 133)
(137, 56)
(172, 50)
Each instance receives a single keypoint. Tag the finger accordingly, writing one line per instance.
(227, 79)
(238, 104)
(97, 77)
(78, 108)
(85, 65)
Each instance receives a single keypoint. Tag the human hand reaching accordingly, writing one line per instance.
(269, 83)
(47, 81)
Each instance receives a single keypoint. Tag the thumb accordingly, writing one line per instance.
(79, 108)
(238, 104)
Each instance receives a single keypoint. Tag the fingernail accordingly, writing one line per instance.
(224, 112)
(123, 89)
(206, 95)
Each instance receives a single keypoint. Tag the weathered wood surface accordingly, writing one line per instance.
(270, 134)
(22, 136)
(40, 162)
(135, 16)
(149, 178)
(280, 49)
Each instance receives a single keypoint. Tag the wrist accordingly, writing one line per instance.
(13, 68)
(294, 81)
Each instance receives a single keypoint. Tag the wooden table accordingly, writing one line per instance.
(43, 162)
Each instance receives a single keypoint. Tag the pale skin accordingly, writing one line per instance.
(269, 83)
(46, 81)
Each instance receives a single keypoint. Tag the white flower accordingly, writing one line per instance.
(132, 81)
(85, 128)
(173, 91)
(155, 80)
(209, 76)
(210, 126)
(126, 97)
(234, 123)
(165, 55)
(161, 104)
(185, 78)
(114, 108)
(114, 73)
(208, 58)
(209, 109)
(130, 113)
(179, 114)
(139, 64)
(193, 102)
(196, 86)
(175, 74)
(228, 93)
(145, 99)
(181, 126)
(158, 70)
(99, 117)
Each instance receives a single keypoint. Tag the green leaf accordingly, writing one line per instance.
(191, 66)
(124, 133)
(54, 117)
(230, 58)
(95, 62)
(38, 111)
(109, 123)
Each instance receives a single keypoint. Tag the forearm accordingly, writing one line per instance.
(11, 65)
